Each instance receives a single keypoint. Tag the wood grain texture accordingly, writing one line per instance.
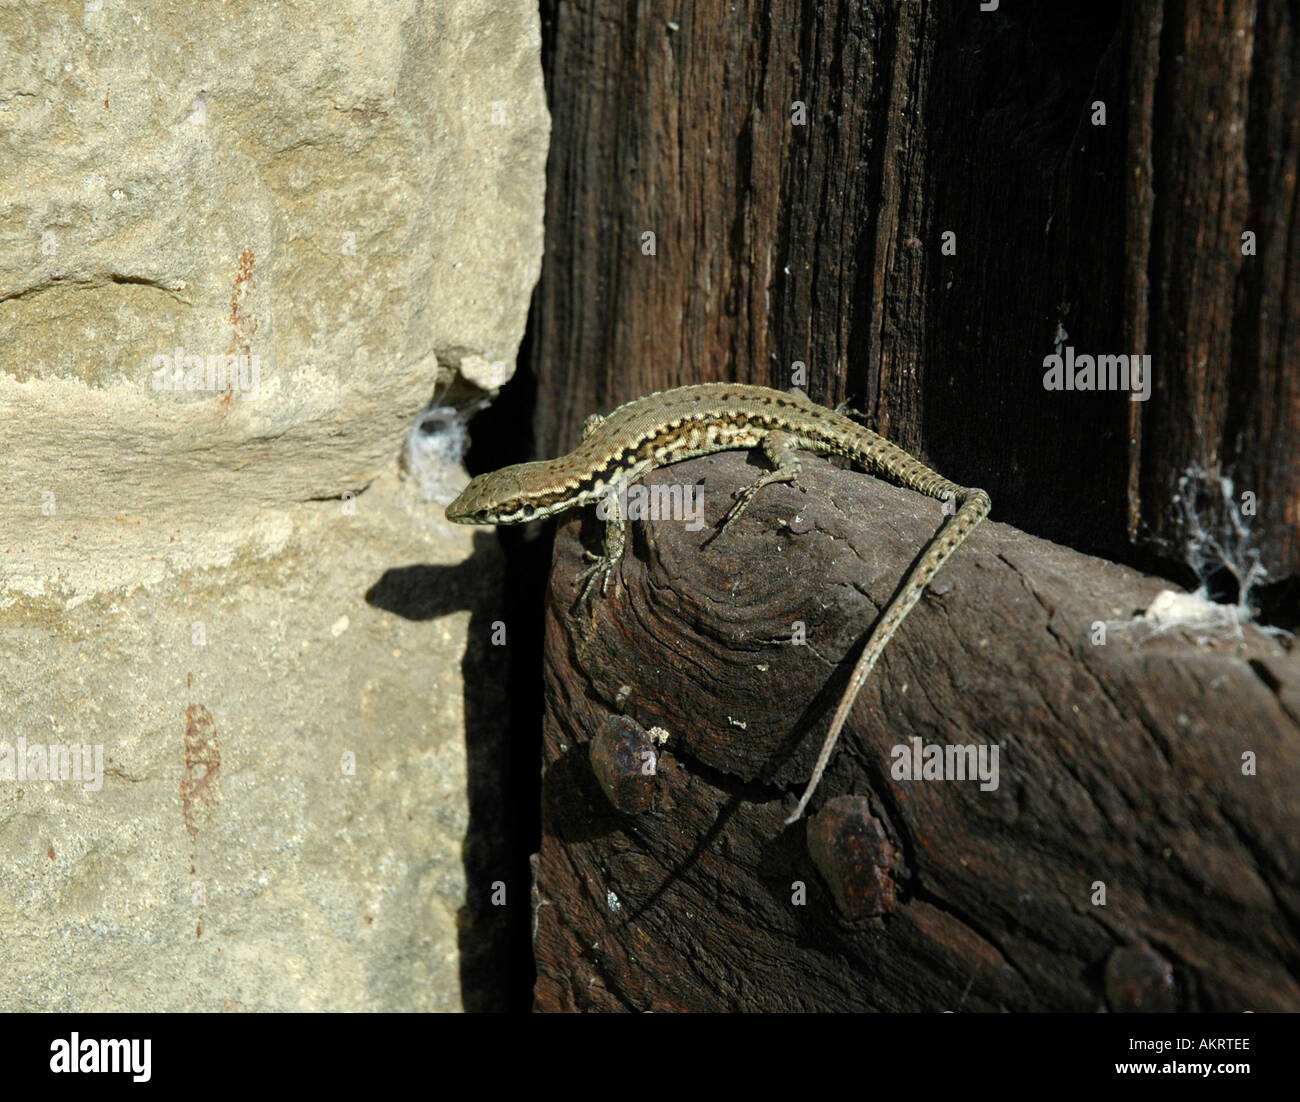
(1214, 139)
(777, 243)
(1119, 763)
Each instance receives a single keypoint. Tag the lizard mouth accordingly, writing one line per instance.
(466, 510)
(462, 511)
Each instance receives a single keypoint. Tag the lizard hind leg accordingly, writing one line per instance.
(780, 448)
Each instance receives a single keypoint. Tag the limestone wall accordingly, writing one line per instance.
(239, 245)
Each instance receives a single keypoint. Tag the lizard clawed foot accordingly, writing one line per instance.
(599, 569)
(745, 496)
(738, 506)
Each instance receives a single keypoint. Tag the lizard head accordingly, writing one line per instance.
(506, 496)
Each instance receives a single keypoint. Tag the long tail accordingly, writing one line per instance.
(973, 507)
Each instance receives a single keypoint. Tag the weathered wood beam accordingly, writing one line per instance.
(1120, 766)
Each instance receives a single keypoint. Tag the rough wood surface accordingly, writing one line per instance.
(1119, 763)
(820, 243)
(1213, 142)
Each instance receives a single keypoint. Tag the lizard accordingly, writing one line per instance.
(621, 448)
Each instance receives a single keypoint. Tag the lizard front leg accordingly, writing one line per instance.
(615, 541)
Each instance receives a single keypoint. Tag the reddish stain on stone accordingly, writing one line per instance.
(199, 787)
(241, 321)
